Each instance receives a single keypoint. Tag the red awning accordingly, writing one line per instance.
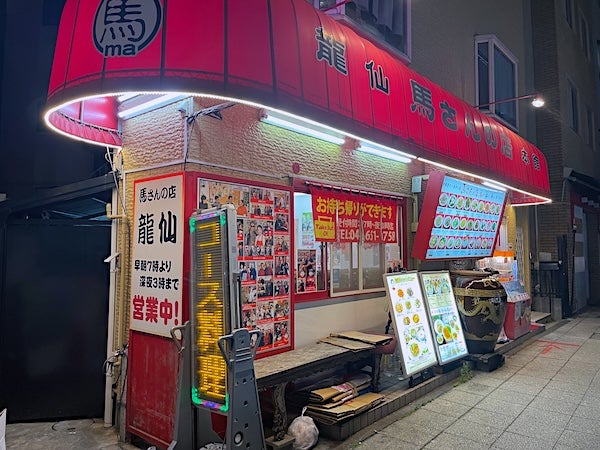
(282, 54)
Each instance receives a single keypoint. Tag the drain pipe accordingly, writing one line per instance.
(113, 259)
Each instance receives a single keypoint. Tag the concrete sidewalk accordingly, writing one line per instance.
(546, 396)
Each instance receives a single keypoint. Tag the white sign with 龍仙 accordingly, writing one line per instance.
(157, 255)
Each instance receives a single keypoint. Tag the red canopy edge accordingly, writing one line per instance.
(281, 54)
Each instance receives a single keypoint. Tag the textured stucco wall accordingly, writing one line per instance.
(243, 147)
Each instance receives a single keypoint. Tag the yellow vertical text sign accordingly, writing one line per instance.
(209, 387)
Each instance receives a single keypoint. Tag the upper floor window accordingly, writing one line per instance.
(573, 108)
(569, 12)
(584, 35)
(387, 21)
(496, 79)
(590, 126)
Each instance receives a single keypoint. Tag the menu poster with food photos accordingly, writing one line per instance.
(443, 312)
(458, 219)
(407, 307)
(263, 247)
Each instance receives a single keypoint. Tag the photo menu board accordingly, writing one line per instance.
(443, 312)
(407, 306)
(263, 256)
(458, 219)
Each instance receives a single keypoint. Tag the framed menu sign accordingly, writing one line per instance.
(411, 323)
(448, 334)
(458, 219)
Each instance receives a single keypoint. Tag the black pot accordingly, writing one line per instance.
(482, 305)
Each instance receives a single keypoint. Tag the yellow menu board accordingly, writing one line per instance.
(448, 334)
(413, 331)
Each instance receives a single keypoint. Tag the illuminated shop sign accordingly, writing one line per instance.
(458, 219)
(212, 303)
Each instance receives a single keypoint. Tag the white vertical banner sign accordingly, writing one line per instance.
(157, 255)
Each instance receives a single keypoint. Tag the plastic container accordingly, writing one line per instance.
(518, 317)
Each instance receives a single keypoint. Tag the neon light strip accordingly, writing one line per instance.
(324, 129)
(494, 185)
(443, 166)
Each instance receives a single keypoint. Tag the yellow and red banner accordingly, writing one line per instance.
(341, 216)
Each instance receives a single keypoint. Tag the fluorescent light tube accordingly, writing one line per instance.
(156, 102)
(384, 152)
(302, 128)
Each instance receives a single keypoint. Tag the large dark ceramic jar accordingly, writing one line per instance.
(482, 304)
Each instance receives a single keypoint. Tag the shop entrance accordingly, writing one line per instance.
(54, 308)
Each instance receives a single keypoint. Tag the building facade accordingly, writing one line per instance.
(211, 148)
(566, 67)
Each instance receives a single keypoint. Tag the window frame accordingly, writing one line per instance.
(569, 13)
(591, 131)
(573, 101)
(370, 32)
(494, 43)
(327, 252)
(584, 34)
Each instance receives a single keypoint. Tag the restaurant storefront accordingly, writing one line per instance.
(314, 135)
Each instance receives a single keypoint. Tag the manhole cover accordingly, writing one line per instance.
(72, 426)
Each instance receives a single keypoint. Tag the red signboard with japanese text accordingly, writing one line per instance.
(350, 213)
(282, 54)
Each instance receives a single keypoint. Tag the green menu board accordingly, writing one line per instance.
(447, 329)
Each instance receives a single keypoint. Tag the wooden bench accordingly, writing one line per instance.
(278, 370)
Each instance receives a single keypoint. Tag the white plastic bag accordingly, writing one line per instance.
(304, 431)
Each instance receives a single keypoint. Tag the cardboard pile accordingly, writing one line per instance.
(336, 403)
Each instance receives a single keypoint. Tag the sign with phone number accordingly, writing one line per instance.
(348, 214)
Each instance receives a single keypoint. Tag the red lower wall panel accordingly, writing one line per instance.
(152, 382)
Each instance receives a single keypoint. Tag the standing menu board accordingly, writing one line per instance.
(447, 328)
(410, 322)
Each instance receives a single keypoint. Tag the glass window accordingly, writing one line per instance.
(583, 35)
(496, 79)
(387, 21)
(573, 108)
(310, 255)
(504, 83)
(569, 12)
(338, 267)
(483, 70)
(590, 126)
